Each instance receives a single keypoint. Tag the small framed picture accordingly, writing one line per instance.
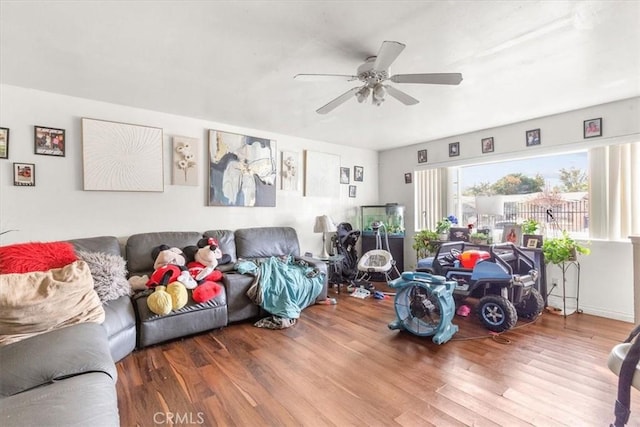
(533, 137)
(358, 173)
(532, 241)
(49, 141)
(593, 128)
(454, 149)
(487, 145)
(352, 191)
(24, 174)
(407, 178)
(512, 233)
(344, 175)
(4, 143)
(459, 234)
(422, 156)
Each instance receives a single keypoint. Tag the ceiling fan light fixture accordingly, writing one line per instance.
(362, 94)
(377, 98)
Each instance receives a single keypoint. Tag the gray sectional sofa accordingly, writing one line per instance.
(68, 376)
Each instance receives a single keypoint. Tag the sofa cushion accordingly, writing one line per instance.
(109, 274)
(55, 355)
(106, 244)
(264, 242)
(139, 246)
(87, 400)
(226, 242)
(37, 302)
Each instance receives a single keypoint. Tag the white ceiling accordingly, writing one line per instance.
(233, 61)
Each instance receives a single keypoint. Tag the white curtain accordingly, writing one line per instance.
(615, 191)
(431, 197)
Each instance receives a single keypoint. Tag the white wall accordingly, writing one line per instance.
(58, 208)
(600, 293)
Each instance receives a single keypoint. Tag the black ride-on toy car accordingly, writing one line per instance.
(502, 278)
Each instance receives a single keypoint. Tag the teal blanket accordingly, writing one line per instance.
(285, 286)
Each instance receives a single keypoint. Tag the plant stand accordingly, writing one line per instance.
(565, 267)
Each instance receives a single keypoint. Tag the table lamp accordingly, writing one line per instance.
(324, 225)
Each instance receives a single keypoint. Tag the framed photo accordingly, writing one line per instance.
(512, 233)
(459, 234)
(422, 156)
(4, 143)
(407, 178)
(358, 173)
(48, 141)
(352, 191)
(533, 137)
(532, 241)
(487, 145)
(593, 128)
(24, 174)
(344, 175)
(454, 149)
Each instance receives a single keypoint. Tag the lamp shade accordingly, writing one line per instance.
(324, 224)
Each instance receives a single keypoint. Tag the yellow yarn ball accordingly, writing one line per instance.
(179, 296)
(160, 302)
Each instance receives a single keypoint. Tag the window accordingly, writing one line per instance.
(553, 190)
(592, 193)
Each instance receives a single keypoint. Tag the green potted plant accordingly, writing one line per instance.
(478, 238)
(444, 225)
(530, 226)
(425, 242)
(530, 236)
(557, 250)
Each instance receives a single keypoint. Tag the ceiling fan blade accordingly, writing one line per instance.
(338, 101)
(434, 78)
(388, 53)
(401, 96)
(324, 77)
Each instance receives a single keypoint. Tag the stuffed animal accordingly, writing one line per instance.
(169, 265)
(202, 267)
(165, 299)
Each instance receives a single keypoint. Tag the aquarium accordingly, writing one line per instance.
(391, 215)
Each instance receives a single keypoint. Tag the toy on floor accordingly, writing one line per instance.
(424, 305)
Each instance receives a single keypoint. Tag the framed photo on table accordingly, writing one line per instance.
(512, 234)
(532, 241)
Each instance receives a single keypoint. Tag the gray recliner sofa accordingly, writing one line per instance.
(68, 376)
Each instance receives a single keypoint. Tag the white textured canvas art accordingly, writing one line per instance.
(121, 157)
(322, 174)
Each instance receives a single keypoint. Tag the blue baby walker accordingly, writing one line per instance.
(424, 305)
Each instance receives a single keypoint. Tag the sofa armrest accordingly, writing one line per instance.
(55, 355)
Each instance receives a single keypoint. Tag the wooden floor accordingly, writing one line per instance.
(341, 365)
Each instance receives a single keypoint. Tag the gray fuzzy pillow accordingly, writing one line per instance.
(109, 274)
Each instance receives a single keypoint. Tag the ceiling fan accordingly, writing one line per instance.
(373, 73)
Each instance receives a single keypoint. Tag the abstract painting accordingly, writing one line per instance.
(242, 170)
